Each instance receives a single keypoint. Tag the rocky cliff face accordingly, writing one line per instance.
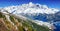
(11, 23)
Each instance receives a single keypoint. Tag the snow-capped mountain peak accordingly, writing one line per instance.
(31, 8)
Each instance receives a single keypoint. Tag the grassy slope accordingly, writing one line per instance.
(21, 25)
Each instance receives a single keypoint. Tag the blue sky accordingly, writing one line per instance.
(49, 3)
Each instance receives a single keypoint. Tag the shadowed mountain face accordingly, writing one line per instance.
(45, 17)
(10, 23)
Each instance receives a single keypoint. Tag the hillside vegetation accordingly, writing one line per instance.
(11, 23)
